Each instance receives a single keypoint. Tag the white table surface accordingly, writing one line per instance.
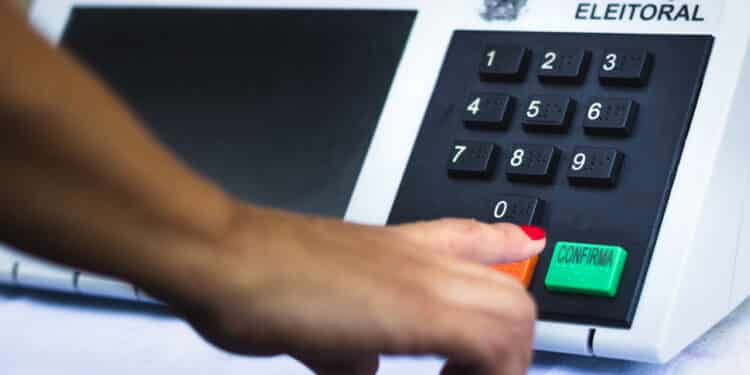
(44, 333)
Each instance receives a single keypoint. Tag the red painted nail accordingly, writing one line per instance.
(535, 233)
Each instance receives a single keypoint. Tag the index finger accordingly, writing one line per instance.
(475, 241)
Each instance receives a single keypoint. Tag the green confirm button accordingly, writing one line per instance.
(586, 269)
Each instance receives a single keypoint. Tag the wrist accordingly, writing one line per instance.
(183, 258)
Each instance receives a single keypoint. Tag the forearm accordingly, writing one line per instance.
(83, 182)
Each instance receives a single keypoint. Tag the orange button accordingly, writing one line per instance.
(521, 271)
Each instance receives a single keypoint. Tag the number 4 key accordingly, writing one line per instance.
(488, 111)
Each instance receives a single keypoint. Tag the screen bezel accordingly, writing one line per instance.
(369, 203)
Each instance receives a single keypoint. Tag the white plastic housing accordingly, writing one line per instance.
(7, 263)
(97, 285)
(43, 275)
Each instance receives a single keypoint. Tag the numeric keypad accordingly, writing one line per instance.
(590, 157)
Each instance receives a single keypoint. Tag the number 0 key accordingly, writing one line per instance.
(516, 209)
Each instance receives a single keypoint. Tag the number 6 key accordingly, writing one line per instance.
(610, 117)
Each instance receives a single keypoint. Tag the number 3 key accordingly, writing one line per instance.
(625, 67)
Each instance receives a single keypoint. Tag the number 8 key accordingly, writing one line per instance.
(532, 163)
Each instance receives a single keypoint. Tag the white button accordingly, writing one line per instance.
(44, 275)
(7, 261)
(101, 286)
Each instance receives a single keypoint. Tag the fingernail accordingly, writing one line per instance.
(535, 233)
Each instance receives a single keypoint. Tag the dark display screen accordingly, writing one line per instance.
(278, 106)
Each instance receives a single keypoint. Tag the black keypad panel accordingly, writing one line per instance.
(610, 116)
(587, 150)
(550, 113)
(488, 111)
(515, 209)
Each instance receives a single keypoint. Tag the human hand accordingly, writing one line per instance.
(335, 295)
(100, 193)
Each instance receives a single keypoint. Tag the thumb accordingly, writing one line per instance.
(477, 242)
